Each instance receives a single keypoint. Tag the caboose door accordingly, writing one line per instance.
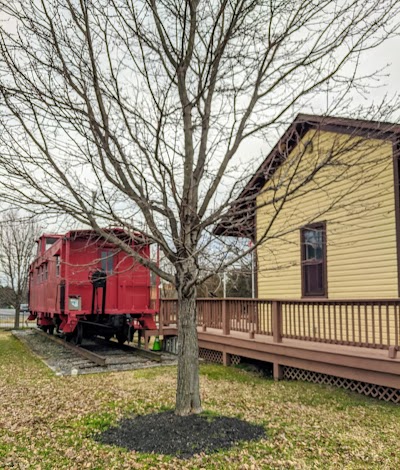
(133, 285)
(108, 265)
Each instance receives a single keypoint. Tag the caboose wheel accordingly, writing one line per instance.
(121, 338)
(78, 334)
(50, 330)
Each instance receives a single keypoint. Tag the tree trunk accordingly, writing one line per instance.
(188, 389)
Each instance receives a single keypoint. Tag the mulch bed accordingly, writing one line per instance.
(168, 434)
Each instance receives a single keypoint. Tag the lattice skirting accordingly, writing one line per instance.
(235, 360)
(170, 344)
(216, 356)
(210, 356)
(371, 390)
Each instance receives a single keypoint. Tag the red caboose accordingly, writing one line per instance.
(82, 285)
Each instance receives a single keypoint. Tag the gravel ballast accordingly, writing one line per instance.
(168, 434)
(63, 361)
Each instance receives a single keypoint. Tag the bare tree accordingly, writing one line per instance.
(17, 241)
(134, 112)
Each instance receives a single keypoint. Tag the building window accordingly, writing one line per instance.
(107, 261)
(313, 260)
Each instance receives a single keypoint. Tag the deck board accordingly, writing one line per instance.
(353, 362)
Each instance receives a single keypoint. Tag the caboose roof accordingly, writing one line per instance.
(90, 232)
(49, 235)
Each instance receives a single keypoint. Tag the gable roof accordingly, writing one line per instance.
(292, 136)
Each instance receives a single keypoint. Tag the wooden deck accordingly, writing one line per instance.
(350, 362)
(260, 329)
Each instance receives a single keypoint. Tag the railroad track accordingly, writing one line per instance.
(106, 349)
(152, 355)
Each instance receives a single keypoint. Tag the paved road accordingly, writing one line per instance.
(7, 311)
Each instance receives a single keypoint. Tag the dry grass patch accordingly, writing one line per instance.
(52, 422)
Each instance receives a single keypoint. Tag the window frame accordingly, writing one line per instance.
(108, 259)
(58, 265)
(303, 262)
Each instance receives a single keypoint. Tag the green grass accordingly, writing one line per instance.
(50, 422)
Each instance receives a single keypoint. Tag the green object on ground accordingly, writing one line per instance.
(157, 344)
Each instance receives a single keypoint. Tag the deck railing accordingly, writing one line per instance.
(168, 312)
(236, 314)
(363, 323)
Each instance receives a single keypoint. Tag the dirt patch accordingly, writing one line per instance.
(168, 434)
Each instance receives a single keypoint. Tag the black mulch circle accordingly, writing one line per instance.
(168, 434)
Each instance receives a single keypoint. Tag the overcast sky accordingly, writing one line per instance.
(387, 55)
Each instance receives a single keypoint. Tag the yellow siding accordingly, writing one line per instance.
(355, 197)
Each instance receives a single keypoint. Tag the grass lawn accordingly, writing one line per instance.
(49, 422)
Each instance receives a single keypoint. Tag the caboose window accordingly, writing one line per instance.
(50, 241)
(58, 265)
(107, 261)
(45, 272)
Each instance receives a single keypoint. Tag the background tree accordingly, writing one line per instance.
(236, 281)
(6, 296)
(239, 282)
(212, 287)
(17, 242)
(134, 114)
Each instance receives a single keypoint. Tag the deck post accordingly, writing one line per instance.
(146, 340)
(225, 319)
(160, 320)
(276, 321)
(226, 359)
(278, 371)
(392, 352)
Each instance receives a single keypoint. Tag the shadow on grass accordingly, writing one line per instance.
(168, 434)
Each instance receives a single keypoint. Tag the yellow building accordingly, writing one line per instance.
(327, 210)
